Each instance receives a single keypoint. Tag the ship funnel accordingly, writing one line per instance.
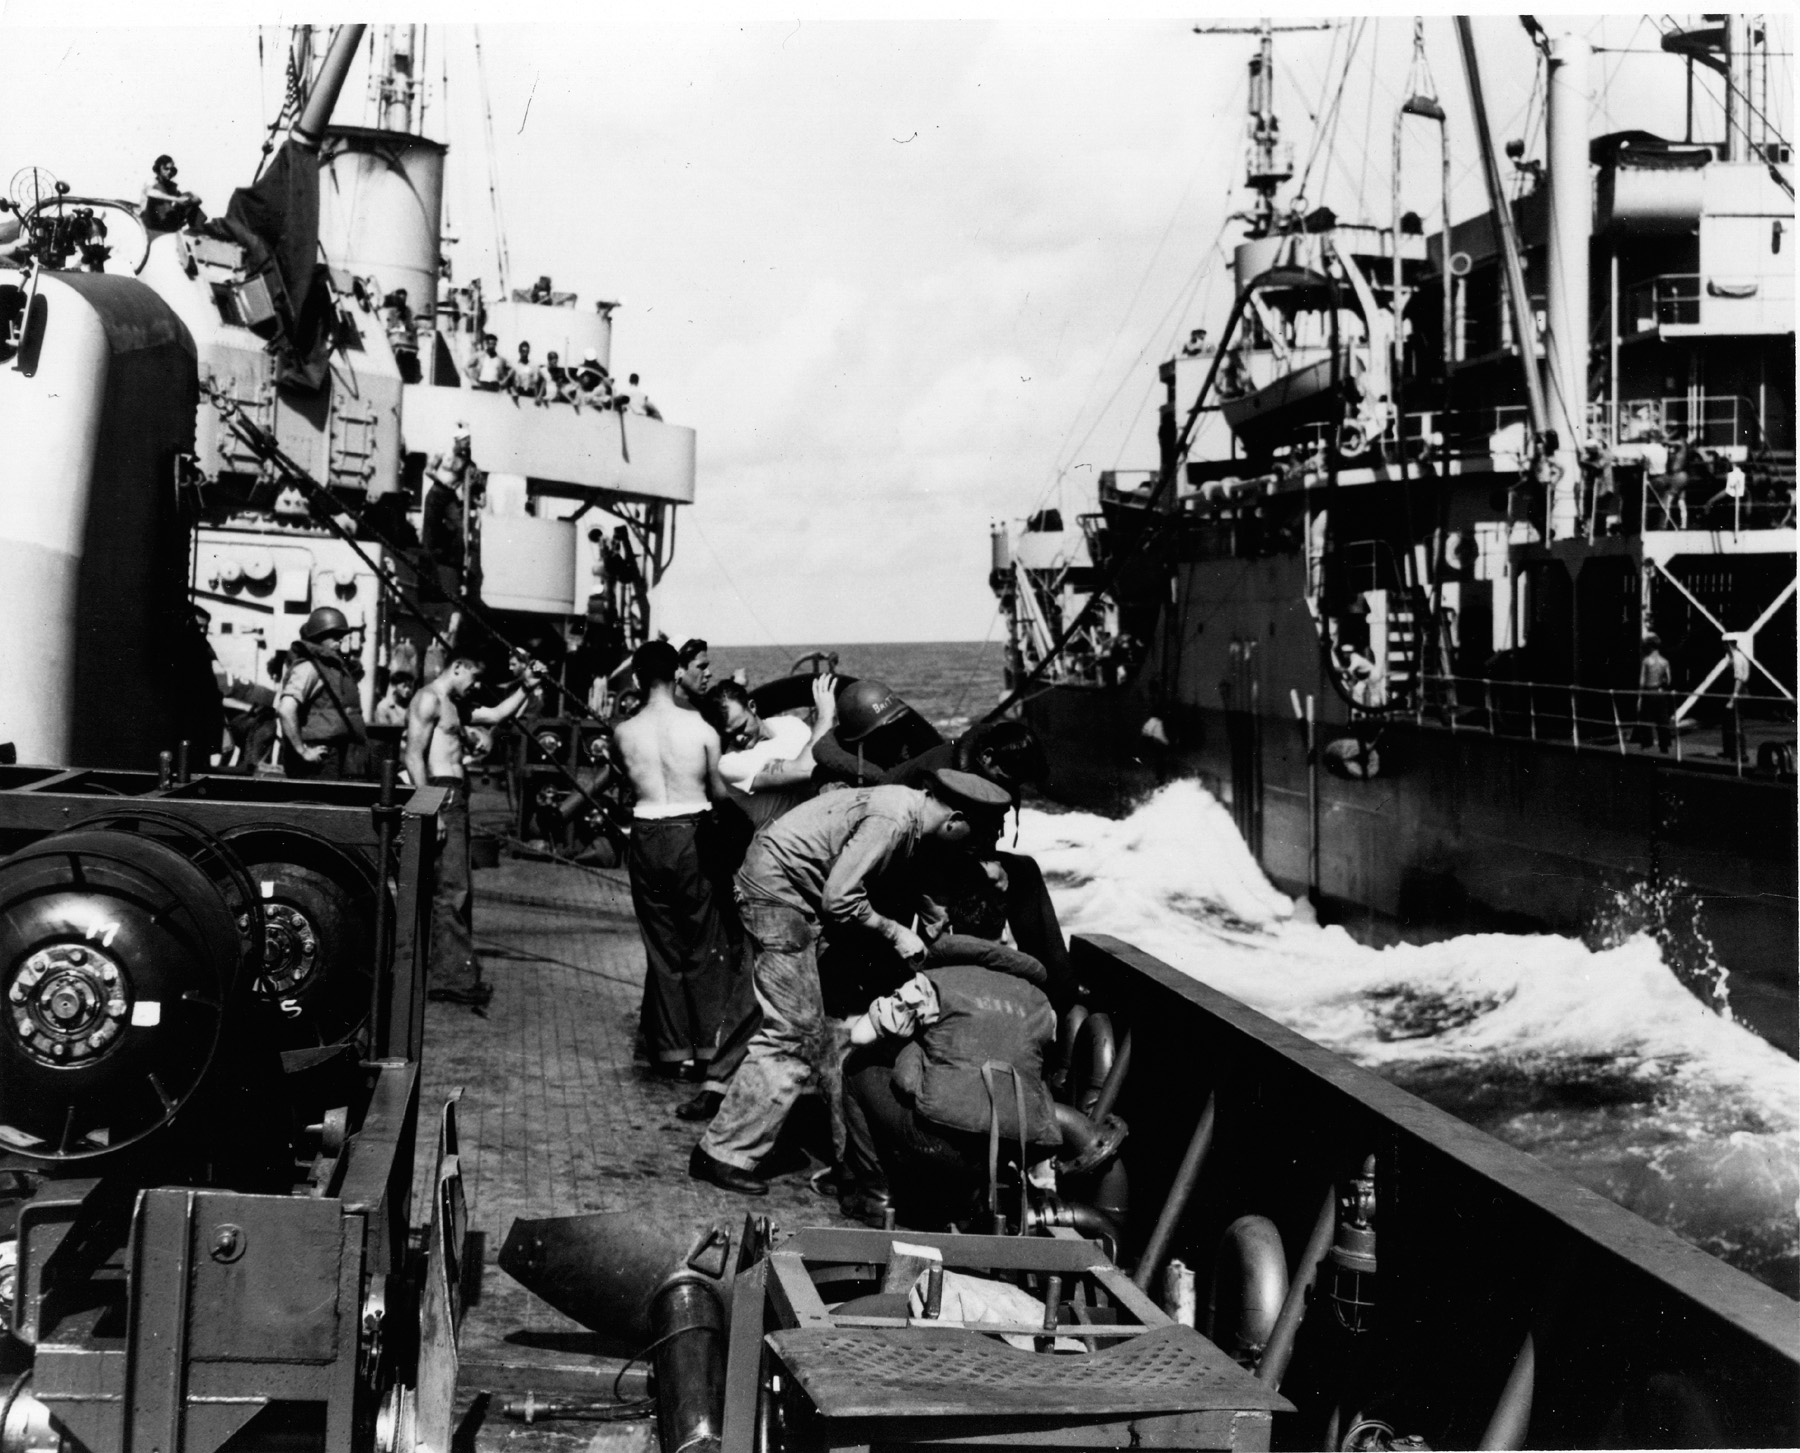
(310, 128)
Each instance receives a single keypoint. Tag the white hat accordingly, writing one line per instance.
(461, 431)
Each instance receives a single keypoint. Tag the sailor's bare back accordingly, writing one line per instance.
(671, 756)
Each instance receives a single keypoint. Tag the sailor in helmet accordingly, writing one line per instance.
(319, 707)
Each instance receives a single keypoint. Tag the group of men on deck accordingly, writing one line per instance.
(852, 944)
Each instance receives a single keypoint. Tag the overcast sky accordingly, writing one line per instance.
(903, 277)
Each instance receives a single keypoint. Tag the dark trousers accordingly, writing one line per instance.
(690, 975)
(1035, 926)
(1656, 714)
(453, 962)
(937, 1175)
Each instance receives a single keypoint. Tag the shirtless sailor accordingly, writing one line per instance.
(672, 758)
(434, 757)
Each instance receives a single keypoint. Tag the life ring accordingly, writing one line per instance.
(1351, 757)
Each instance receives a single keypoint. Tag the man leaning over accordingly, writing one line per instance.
(809, 869)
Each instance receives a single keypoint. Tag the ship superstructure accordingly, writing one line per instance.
(1419, 509)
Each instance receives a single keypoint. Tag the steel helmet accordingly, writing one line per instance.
(865, 705)
(325, 622)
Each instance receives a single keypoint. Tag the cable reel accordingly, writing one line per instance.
(319, 950)
(118, 960)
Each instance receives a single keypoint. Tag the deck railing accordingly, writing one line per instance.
(1754, 731)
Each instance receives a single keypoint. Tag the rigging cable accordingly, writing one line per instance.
(487, 114)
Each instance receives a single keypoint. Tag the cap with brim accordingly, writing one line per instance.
(966, 790)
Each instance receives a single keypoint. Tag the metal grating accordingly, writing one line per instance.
(916, 1372)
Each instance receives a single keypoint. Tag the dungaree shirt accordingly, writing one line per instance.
(820, 857)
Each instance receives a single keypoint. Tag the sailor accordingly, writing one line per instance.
(449, 481)
(768, 761)
(672, 758)
(1656, 706)
(319, 706)
(391, 710)
(934, 1069)
(527, 379)
(693, 673)
(809, 871)
(165, 207)
(402, 332)
(1734, 746)
(767, 765)
(435, 749)
(593, 384)
(557, 384)
(489, 371)
(876, 731)
(984, 891)
(540, 292)
(254, 725)
(641, 401)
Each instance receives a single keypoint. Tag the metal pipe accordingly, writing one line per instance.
(1273, 1366)
(1180, 1193)
(1524, 326)
(1251, 1267)
(1088, 1146)
(309, 130)
(1084, 1219)
(1115, 1079)
(1095, 1032)
(385, 815)
(1512, 1414)
(1566, 292)
(1066, 1038)
(689, 1325)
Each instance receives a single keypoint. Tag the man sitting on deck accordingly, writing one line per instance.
(809, 869)
(672, 758)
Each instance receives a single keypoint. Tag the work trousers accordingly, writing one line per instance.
(792, 1045)
(453, 961)
(689, 966)
(936, 1174)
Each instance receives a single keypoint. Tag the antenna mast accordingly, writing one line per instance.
(1271, 160)
(398, 86)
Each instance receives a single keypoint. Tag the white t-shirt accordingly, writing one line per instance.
(787, 740)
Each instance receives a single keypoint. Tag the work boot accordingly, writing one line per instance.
(871, 1205)
(703, 1106)
(702, 1167)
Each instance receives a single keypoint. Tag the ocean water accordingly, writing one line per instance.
(1599, 1062)
(949, 683)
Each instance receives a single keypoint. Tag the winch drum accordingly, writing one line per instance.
(118, 959)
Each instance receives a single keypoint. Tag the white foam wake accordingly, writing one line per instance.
(1598, 1061)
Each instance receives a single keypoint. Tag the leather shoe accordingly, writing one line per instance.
(871, 1205)
(702, 1167)
(476, 995)
(703, 1106)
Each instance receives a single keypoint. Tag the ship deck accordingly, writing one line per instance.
(555, 1119)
